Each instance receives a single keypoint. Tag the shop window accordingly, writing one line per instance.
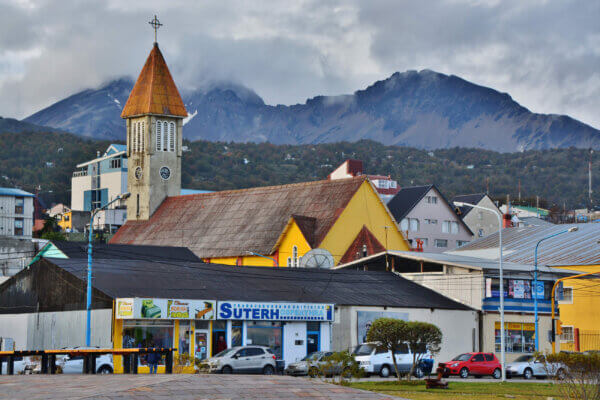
(19, 205)
(519, 337)
(184, 337)
(414, 224)
(138, 334)
(268, 334)
(219, 336)
(237, 330)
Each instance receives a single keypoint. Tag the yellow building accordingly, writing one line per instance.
(580, 312)
(273, 226)
(65, 221)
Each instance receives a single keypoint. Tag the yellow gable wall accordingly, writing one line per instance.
(255, 261)
(292, 237)
(365, 208)
(584, 312)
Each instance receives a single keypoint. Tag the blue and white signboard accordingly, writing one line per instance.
(274, 311)
(537, 292)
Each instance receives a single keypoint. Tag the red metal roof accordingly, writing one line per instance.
(154, 91)
(364, 238)
(232, 223)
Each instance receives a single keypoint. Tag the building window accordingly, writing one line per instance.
(165, 134)
(159, 135)
(414, 224)
(446, 227)
(18, 226)
(289, 262)
(142, 131)
(519, 337)
(404, 224)
(267, 334)
(454, 227)
(19, 205)
(171, 136)
(431, 221)
(115, 163)
(480, 233)
(425, 241)
(567, 334)
(441, 243)
(431, 199)
(461, 242)
(237, 329)
(567, 295)
(295, 256)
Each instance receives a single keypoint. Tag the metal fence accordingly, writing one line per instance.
(583, 340)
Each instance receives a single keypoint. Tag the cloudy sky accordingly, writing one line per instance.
(544, 53)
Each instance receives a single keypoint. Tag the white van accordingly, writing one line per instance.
(380, 362)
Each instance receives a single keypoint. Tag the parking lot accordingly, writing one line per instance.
(174, 386)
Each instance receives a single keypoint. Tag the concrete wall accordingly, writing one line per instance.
(52, 330)
(79, 184)
(15, 254)
(481, 220)
(467, 288)
(441, 212)
(459, 328)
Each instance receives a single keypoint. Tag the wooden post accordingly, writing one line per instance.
(11, 365)
(134, 364)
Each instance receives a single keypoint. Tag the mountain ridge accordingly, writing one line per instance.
(423, 109)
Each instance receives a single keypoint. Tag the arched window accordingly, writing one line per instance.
(165, 134)
(295, 256)
(289, 261)
(171, 136)
(158, 135)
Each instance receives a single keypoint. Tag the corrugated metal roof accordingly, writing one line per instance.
(581, 247)
(154, 91)
(136, 278)
(232, 223)
(14, 192)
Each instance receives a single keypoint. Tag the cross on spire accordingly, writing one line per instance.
(155, 25)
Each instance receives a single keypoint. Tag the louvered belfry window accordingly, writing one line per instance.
(171, 136)
(159, 135)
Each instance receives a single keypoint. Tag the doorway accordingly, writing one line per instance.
(313, 337)
(219, 337)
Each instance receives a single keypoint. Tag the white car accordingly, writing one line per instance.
(74, 364)
(243, 359)
(21, 365)
(374, 361)
(529, 366)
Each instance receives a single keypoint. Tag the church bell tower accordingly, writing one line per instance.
(154, 115)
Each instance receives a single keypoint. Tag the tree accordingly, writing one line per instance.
(576, 375)
(420, 337)
(390, 334)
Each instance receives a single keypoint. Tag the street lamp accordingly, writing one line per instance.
(89, 267)
(263, 256)
(535, 282)
(502, 349)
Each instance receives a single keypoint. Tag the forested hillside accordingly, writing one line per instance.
(47, 160)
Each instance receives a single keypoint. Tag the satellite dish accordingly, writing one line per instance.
(317, 258)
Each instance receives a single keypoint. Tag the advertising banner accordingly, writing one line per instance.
(237, 310)
(145, 308)
(365, 319)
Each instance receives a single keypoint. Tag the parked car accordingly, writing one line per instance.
(476, 364)
(21, 365)
(243, 359)
(311, 364)
(74, 364)
(374, 361)
(529, 366)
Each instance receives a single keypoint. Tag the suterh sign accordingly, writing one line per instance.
(145, 308)
(274, 311)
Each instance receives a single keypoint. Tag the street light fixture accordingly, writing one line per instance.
(535, 282)
(89, 267)
(502, 333)
(263, 256)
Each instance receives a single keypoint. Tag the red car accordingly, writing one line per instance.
(476, 364)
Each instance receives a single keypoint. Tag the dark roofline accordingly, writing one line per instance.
(425, 188)
(463, 197)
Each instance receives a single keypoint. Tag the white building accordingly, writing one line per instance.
(16, 213)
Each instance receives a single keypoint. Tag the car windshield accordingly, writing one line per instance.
(363, 350)
(462, 357)
(524, 358)
(312, 356)
(224, 352)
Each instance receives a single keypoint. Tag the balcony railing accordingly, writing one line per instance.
(79, 173)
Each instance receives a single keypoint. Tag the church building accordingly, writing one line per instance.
(264, 226)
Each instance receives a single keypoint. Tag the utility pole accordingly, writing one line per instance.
(487, 185)
(591, 201)
(519, 191)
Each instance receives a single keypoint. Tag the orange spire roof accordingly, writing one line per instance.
(154, 92)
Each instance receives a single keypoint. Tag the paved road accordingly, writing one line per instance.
(174, 387)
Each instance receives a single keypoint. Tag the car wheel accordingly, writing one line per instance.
(464, 373)
(528, 373)
(268, 370)
(313, 372)
(105, 369)
(560, 374)
(226, 370)
(418, 373)
(384, 372)
(497, 373)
